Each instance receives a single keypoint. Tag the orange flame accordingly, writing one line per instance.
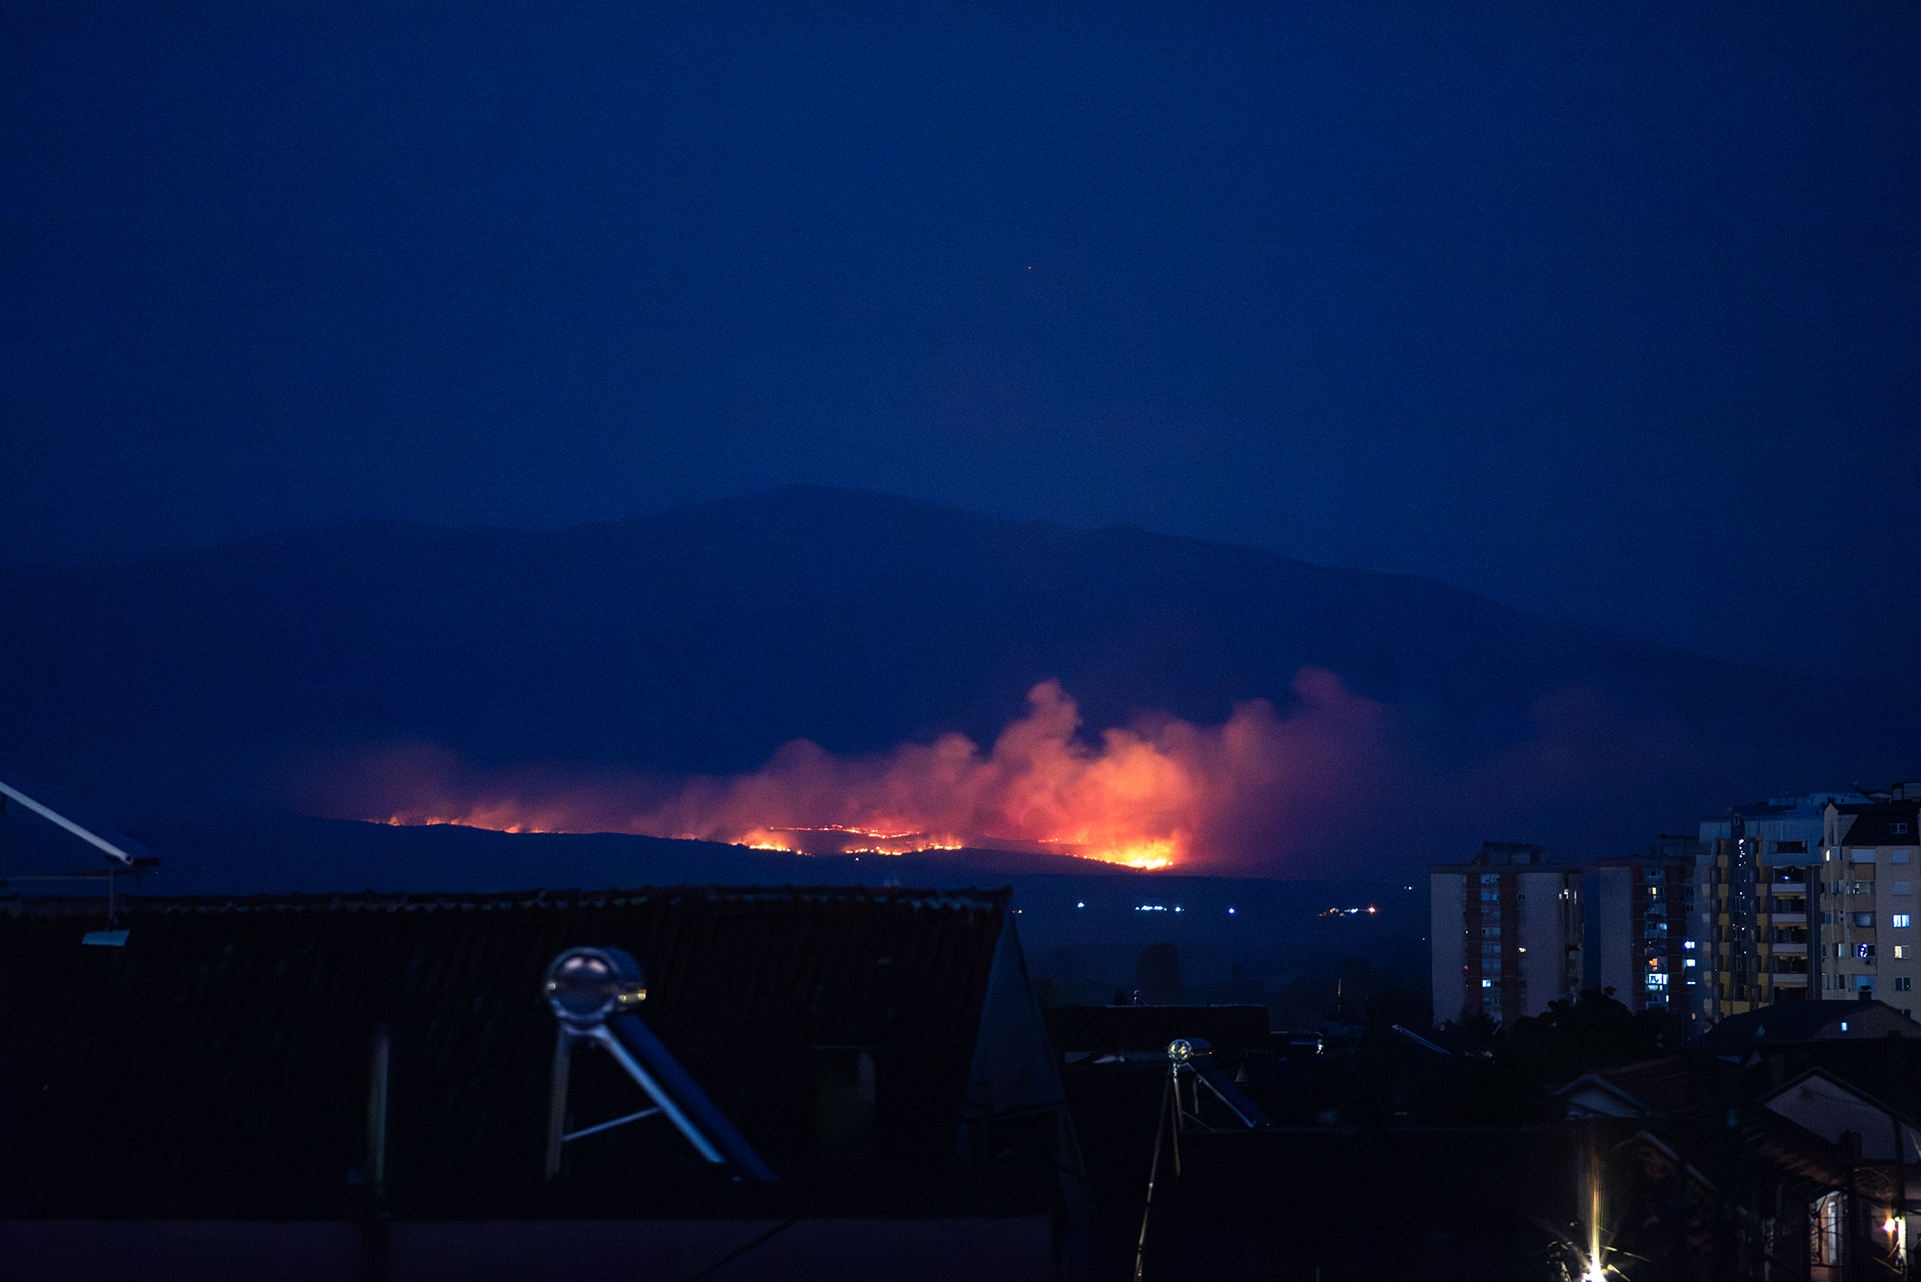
(1161, 793)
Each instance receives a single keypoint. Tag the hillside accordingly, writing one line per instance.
(238, 678)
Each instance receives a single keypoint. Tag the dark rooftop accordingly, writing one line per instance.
(1806, 1021)
(217, 1063)
(1885, 823)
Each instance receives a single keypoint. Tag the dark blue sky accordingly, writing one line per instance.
(1611, 310)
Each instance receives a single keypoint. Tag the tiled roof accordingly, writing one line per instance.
(221, 1055)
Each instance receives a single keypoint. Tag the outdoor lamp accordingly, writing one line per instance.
(586, 985)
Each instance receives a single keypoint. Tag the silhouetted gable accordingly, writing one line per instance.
(1806, 1021)
(1890, 823)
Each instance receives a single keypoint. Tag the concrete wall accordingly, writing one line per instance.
(1619, 949)
(1545, 938)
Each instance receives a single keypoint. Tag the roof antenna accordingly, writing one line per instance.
(122, 861)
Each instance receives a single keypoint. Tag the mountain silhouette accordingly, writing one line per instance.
(699, 640)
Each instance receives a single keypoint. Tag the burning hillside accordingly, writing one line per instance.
(1160, 792)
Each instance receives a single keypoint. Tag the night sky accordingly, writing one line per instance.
(1608, 310)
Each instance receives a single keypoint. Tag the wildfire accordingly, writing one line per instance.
(1136, 796)
(1159, 793)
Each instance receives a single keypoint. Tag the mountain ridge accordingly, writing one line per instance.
(698, 640)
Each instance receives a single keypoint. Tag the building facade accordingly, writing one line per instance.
(1507, 933)
(1757, 889)
(1870, 861)
(1642, 906)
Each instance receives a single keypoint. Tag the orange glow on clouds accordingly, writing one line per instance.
(1160, 793)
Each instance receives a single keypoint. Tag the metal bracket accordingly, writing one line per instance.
(592, 991)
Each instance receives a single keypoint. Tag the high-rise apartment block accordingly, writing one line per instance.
(1506, 932)
(1749, 932)
(1641, 910)
(1807, 897)
(1870, 861)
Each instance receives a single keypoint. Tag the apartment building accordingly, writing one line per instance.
(1641, 907)
(1870, 862)
(1757, 886)
(1506, 930)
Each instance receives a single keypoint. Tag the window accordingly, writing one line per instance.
(1899, 919)
(1902, 983)
(1898, 857)
(1865, 951)
(1862, 919)
(1897, 827)
(1903, 888)
(1487, 983)
(1903, 950)
(1790, 847)
(1861, 888)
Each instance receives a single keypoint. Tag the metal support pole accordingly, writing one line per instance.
(557, 1103)
(1170, 1115)
(377, 1110)
(674, 1112)
(1898, 1213)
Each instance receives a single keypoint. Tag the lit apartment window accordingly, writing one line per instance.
(1487, 983)
(1899, 919)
